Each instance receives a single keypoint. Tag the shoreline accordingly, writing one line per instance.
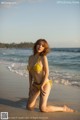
(17, 68)
(14, 94)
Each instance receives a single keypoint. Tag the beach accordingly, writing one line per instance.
(14, 94)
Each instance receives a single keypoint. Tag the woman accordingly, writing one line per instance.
(39, 84)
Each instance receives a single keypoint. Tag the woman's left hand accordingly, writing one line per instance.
(42, 90)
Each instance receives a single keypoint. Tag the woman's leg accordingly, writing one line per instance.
(43, 102)
(34, 93)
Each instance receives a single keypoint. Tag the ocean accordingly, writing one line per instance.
(64, 64)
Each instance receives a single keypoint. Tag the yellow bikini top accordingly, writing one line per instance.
(37, 67)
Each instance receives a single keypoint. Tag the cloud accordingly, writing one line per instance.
(10, 3)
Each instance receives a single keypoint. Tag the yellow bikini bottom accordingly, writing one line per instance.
(39, 85)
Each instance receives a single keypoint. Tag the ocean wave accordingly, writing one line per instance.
(63, 81)
(77, 84)
(65, 77)
(18, 68)
(67, 82)
(66, 49)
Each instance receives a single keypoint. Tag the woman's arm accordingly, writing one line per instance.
(46, 70)
(30, 80)
(30, 76)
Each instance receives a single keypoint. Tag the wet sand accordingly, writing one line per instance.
(14, 94)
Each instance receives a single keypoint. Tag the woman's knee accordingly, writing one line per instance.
(30, 107)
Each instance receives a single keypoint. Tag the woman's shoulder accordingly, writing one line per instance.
(44, 57)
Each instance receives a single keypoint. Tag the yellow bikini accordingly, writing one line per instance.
(37, 68)
(38, 86)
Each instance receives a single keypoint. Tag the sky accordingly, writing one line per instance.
(57, 21)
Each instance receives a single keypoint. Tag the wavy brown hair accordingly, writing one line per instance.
(44, 43)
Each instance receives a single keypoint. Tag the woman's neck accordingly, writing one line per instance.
(37, 55)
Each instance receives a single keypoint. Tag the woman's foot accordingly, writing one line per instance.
(67, 109)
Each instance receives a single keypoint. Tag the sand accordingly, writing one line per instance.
(14, 94)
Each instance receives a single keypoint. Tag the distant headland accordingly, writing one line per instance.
(17, 45)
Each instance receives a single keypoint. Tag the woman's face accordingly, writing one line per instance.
(40, 47)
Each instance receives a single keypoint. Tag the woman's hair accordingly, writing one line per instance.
(44, 43)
